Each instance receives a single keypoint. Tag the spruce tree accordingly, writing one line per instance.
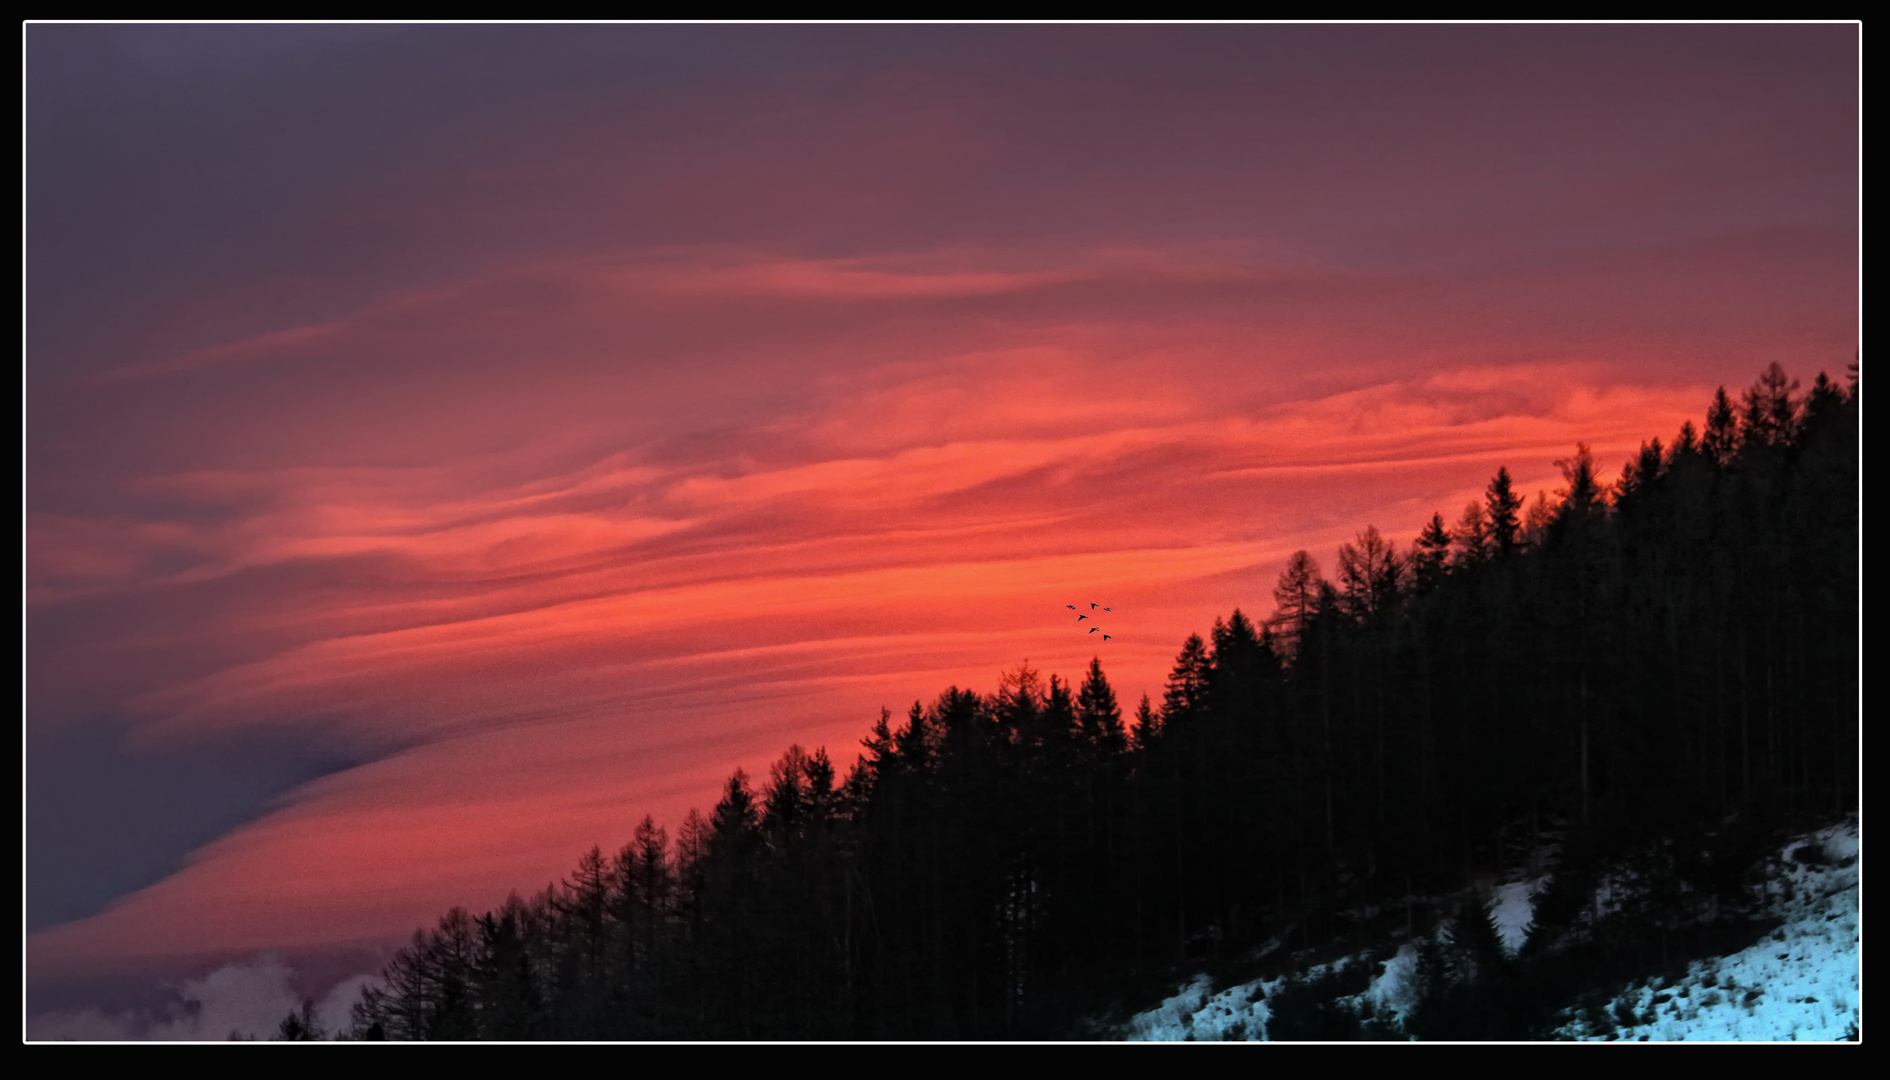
(1639, 474)
(1721, 438)
(784, 803)
(1584, 492)
(1097, 714)
(301, 1026)
(1148, 727)
(736, 823)
(1769, 417)
(1433, 551)
(1502, 503)
(1185, 694)
(1472, 535)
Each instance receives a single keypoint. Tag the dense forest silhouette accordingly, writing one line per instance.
(1667, 655)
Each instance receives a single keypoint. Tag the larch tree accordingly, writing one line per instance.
(1370, 573)
(1472, 535)
(1296, 596)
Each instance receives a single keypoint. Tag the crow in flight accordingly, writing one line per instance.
(1072, 607)
(1105, 637)
(1080, 618)
(1093, 629)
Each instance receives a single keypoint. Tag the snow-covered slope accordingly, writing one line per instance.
(1800, 983)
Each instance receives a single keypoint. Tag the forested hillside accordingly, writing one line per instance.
(1667, 652)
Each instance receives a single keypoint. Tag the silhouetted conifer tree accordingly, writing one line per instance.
(1147, 729)
(1472, 535)
(1370, 573)
(1432, 554)
(302, 1026)
(1502, 503)
(1640, 474)
(1296, 595)
(1098, 715)
(1769, 417)
(1185, 694)
(1721, 437)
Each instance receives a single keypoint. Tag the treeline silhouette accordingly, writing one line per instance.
(1665, 653)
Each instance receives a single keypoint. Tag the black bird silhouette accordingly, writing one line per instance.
(1080, 618)
(1108, 609)
(1105, 637)
(1092, 607)
(1072, 607)
(1093, 629)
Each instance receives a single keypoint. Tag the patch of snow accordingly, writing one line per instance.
(1240, 1013)
(1801, 983)
(1394, 991)
(1197, 1014)
(1173, 1019)
(1514, 906)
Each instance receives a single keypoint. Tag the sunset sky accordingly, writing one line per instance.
(448, 444)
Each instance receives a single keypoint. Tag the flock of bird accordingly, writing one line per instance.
(1083, 617)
